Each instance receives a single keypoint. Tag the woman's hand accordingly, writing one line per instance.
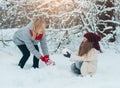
(47, 60)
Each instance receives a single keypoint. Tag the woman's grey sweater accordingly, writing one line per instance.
(23, 37)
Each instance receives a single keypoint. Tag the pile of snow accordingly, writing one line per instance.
(58, 76)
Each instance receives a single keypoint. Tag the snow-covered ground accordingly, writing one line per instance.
(58, 76)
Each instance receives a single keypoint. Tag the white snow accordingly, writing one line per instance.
(58, 76)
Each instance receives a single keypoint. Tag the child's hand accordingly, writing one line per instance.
(67, 54)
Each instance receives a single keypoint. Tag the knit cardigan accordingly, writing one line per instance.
(89, 65)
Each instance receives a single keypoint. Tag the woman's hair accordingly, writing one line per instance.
(85, 47)
(37, 23)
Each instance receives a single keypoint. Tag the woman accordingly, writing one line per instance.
(27, 40)
(85, 63)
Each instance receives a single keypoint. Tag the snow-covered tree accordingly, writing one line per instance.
(70, 18)
(106, 18)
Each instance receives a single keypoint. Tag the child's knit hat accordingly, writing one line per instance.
(92, 37)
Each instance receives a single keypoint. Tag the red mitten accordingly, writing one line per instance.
(47, 60)
(50, 62)
(44, 58)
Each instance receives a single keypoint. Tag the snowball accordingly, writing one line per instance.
(64, 51)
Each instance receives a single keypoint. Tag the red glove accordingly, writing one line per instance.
(47, 60)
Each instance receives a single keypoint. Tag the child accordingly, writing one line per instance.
(27, 40)
(86, 60)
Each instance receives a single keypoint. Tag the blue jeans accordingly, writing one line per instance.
(75, 67)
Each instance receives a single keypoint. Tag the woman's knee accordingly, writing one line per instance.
(24, 50)
(27, 54)
(75, 69)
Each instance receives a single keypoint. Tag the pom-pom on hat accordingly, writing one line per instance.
(92, 37)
